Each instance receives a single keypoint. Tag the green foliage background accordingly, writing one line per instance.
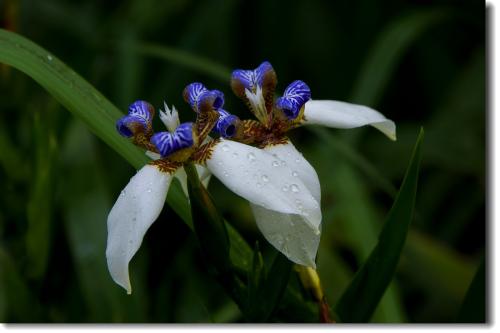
(421, 63)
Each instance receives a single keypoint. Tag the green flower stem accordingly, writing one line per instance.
(212, 235)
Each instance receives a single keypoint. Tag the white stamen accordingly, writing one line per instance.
(170, 117)
(258, 104)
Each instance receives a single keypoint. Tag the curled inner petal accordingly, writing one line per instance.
(142, 109)
(196, 95)
(131, 125)
(250, 79)
(226, 124)
(168, 143)
(294, 98)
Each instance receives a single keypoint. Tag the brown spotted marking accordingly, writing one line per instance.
(205, 122)
(203, 153)
(166, 166)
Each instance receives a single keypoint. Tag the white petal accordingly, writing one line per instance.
(289, 234)
(263, 180)
(299, 165)
(137, 207)
(346, 115)
(203, 174)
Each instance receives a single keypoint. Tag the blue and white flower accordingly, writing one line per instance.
(295, 235)
(252, 173)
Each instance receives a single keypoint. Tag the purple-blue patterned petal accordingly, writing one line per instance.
(261, 71)
(142, 109)
(196, 93)
(168, 143)
(251, 79)
(294, 97)
(129, 125)
(192, 93)
(226, 124)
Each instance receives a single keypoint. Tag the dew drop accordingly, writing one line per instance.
(235, 154)
(265, 178)
(295, 174)
(276, 164)
(122, 194)
(283, 163)
(297, 160)
(259, 185)
(49, 57)
(294, 188)
(225, 148)
(251, 157)
(148, 190)
(285, 188)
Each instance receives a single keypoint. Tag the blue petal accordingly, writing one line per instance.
(168, 143)
(141, 109)
(226, 124)
(250, 79)
(294, 97)
(261, 71)
(127, 126)
(196, 93)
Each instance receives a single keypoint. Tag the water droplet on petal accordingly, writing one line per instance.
(285, 188)
(297, 160)
(265, 178)
(259, 185)
(235, 154)
(283, 163)
(295, 174)
(294, 188)
(225, 147)
(148, 190)
(49, 57)
(251, 157)
(276, 164)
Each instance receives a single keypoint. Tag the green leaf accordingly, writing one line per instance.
(86, 204)
(80, 98)
(209, 225)
(269, 288)
(360, 300)
(40, 204)
(474, 305)
(388, 50)
(186, 59)
(19, 304)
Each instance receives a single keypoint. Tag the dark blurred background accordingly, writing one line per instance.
(421, 63)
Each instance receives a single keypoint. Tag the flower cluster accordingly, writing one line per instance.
(253, 158)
